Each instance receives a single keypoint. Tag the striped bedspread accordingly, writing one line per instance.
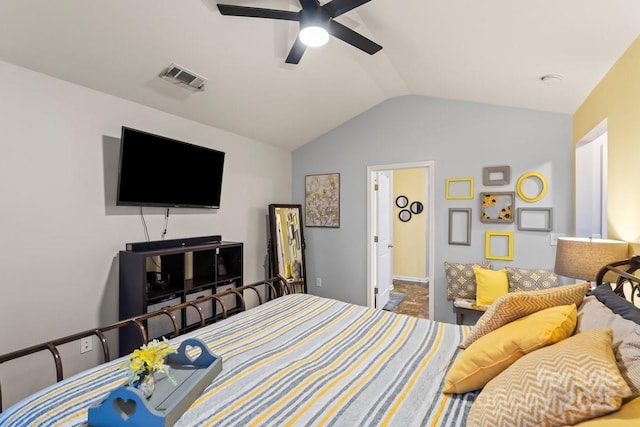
(297, 360)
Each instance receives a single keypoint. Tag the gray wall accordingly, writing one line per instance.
(462, 138)
(61, 231)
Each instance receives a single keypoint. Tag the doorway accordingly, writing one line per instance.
(375, 202)
(591, 183)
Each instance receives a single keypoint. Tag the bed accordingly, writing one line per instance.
(305, 360)
(296, 360)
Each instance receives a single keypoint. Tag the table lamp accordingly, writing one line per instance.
(582, 258)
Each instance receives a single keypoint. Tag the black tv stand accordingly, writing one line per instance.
(151, 279)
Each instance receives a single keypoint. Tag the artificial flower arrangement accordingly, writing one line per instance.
(147, 360)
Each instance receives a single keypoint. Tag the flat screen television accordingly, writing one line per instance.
(159, 171)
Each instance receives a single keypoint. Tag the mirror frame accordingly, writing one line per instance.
(299, 247)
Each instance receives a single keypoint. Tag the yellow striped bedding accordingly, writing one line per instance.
(296, 361)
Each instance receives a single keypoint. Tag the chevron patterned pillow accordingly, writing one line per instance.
(461, 280)
(574, 380)
(512, 306)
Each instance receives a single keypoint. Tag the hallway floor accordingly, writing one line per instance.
(416, 302)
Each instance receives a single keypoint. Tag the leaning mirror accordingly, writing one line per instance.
(286, 245)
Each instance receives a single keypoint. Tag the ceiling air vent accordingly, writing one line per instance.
(179, 74)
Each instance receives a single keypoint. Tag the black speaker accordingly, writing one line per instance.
(172, 243)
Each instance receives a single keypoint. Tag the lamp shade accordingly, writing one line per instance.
(582, 258)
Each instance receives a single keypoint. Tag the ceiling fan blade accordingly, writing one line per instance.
(296, 52)
(347, 35)
(338, 7)
(309, 4)
(256, 12)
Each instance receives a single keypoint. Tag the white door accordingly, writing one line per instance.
(384, 254)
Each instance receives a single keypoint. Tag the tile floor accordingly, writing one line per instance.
(416, 303)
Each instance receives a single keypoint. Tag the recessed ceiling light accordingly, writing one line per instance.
(550, 78)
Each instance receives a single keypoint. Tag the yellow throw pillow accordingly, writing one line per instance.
(572, 381)
(496, 351)
(491, 285)
(627, 415)
(515, 305)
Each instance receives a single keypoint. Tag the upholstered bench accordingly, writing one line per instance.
(463, 306)
(464, 285)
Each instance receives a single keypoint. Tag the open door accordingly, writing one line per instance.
(384, 253)
(380, 251)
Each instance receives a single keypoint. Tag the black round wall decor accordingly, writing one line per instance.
(402, 201)
(416, 207)
(404, 215)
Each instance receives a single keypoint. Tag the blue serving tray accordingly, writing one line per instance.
(127, 406)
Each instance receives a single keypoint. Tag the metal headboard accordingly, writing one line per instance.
(625, 270)
(277, 286)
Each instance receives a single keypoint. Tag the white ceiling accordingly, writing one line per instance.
(490, 51)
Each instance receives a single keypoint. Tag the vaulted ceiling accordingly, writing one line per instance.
(489, 51)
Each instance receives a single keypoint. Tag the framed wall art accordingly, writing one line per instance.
(535, 219)
(459, 188)
(496, 175)
(460, 226)
(322, 200)
(497, 207)
(498, 245)
(531, 187)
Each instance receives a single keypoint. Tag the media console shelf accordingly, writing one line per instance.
(157, 278)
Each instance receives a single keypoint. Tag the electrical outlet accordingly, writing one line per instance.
(553, 238)
(86, 344)
(318, 282)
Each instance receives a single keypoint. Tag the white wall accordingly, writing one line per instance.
(60, 229)
(462, 138)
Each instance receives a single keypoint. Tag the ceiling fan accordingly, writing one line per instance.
(316, 24)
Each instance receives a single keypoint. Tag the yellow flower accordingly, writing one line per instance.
(149, 358)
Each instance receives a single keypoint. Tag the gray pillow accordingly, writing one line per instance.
(527, 279)
(592, 314)
(461, 280)
(616, 303)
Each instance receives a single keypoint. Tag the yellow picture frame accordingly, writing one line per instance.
(490, 253)
(455, 188)
(524, 178)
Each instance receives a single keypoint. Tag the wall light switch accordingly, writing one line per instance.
(553, 238)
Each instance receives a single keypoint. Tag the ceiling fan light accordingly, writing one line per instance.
(314, 36)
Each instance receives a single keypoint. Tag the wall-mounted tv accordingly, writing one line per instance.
(159, 171)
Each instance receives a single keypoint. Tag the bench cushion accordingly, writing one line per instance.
(469, 304)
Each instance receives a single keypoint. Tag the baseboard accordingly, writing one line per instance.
(423, 280)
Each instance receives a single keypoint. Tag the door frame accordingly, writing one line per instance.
(429, 165)
(595, 138)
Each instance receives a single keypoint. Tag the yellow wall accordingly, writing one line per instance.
(409, 238)
(617, 98)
